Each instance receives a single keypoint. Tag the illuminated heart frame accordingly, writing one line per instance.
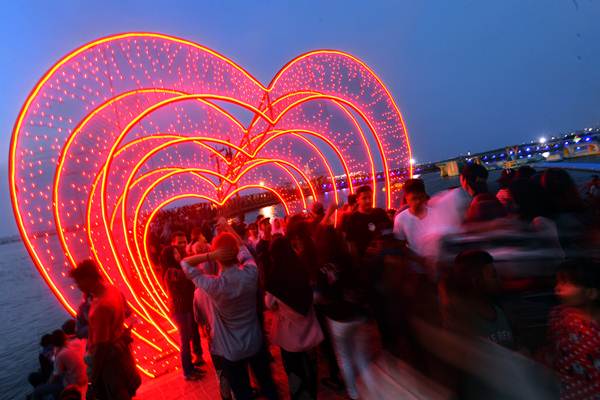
(129, 124)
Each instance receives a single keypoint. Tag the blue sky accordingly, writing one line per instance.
(467, 75)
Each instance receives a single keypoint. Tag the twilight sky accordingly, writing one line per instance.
(468, 75)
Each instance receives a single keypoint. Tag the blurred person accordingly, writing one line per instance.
(179, 242)
(525, 172)
(449, 208)
(503, 195)
(278, 227)
(204, 314)
(360, 227)
(295, 328)
(206, 230)
(252, 237)
(236, 337)
(347, 208)
(83, 311)
(221, 226)
(394, 275)
(472, 286)
(258, 218)
(300, 236)
(531, 208)
(338, 299)
(181, 296)
(485, 207)
(447, 212)
(113, 373)
(575, 329)
(239, 225)
(411, 225)
(197, 244)
(263, 259)
(352, 202)
(46, 362)
(470, 311)
(69, 327)
(54, 385)
(317, 212)
(69, 365)
(566, 209)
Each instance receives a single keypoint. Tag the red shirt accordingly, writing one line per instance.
(106, 318)
(576, 341)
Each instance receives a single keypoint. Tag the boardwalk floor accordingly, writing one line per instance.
(172, 386)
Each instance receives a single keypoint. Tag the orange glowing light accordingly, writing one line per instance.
(127, 125)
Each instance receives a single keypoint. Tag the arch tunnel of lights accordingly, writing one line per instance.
(130, 124)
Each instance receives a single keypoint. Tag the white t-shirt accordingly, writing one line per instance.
(448, 210)
(414, 231)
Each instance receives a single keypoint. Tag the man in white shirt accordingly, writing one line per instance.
(236, 336)
(411, 226)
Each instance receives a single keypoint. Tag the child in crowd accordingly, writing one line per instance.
(575, 330)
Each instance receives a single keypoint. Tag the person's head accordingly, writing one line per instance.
(169, 257)
(578, 283)
(298, 233)
(282, 252)
(226, 241)
(87, 276)
(265, 227)
(196, 235)
(179, 241)
(69, 327)
(46, 340)
(474, 273)
(528, 198)
(277, 223)
(221, 225)
(59, 339)
(525, 172)
(352, 199)
(473, 178)
(364, 198)
(258, 218)
(253, 230)
(415, 195)
(317, 211)
(560, 191)
(506, 177)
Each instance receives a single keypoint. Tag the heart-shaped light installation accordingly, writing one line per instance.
(132, 123)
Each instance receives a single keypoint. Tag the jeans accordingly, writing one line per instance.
(236, 373)
(196, 344)
(301, 369)
(188, 332)
(224, 387)
(351, 344)
(326, 347)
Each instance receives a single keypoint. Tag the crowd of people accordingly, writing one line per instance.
(465, 294)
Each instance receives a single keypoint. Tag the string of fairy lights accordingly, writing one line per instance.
(131, 124)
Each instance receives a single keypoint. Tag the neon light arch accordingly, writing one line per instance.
(68, 153)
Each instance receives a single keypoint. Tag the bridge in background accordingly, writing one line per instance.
(574, 145)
